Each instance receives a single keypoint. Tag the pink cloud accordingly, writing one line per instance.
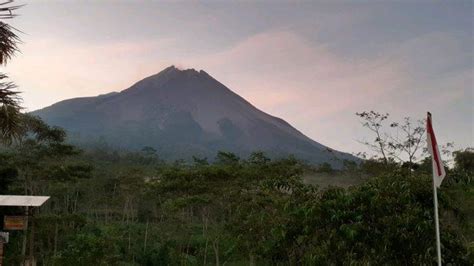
(280, 68)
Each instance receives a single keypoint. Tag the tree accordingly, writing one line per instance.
(9, 98)
(40, 154)
(463, 171)
(258, 158)
(227, 158)
(402, 142)
(7, 177)
(325, 168)
(374, 122)
(409, 140)
(464, 160)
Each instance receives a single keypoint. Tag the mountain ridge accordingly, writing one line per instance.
(183, 113)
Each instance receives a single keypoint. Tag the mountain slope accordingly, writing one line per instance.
(183, 113)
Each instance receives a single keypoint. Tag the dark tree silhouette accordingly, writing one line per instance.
(10, 122)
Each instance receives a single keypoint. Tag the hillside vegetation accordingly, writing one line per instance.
(122, 208)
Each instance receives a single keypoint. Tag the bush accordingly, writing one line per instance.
(388, 220)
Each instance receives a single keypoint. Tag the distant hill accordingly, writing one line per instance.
(182, 113)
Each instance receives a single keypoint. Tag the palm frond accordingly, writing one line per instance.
(8, 93)
(11, 127)
(9, 40)
(10, 124)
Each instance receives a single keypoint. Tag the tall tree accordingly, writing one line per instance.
(10, 122)
(401, 142)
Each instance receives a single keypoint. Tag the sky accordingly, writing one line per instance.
(312, 63)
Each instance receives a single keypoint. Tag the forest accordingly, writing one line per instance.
(112, 207)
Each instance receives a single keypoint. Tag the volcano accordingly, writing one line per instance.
(183, 113)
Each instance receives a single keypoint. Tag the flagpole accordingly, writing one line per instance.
(438, 175)
(438, 242)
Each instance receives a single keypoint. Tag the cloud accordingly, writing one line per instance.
(280, 63)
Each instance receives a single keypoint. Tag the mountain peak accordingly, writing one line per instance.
(173, 68)
(173, 71)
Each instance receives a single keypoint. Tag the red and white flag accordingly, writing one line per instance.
(438, 167)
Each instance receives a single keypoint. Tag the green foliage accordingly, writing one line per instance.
(325, 168)
(227, 158)
(89, 248)
(463, 166)
(118, 208)
(387, 220)
(258, 158)
(7, 176)
(156, 255)
(464, 160)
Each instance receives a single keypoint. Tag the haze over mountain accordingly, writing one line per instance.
(182, 113)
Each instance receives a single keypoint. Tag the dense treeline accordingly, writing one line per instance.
(131, 208)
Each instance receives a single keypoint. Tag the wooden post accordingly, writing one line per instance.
(25, 236)
(1, 253)
(31, 258)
